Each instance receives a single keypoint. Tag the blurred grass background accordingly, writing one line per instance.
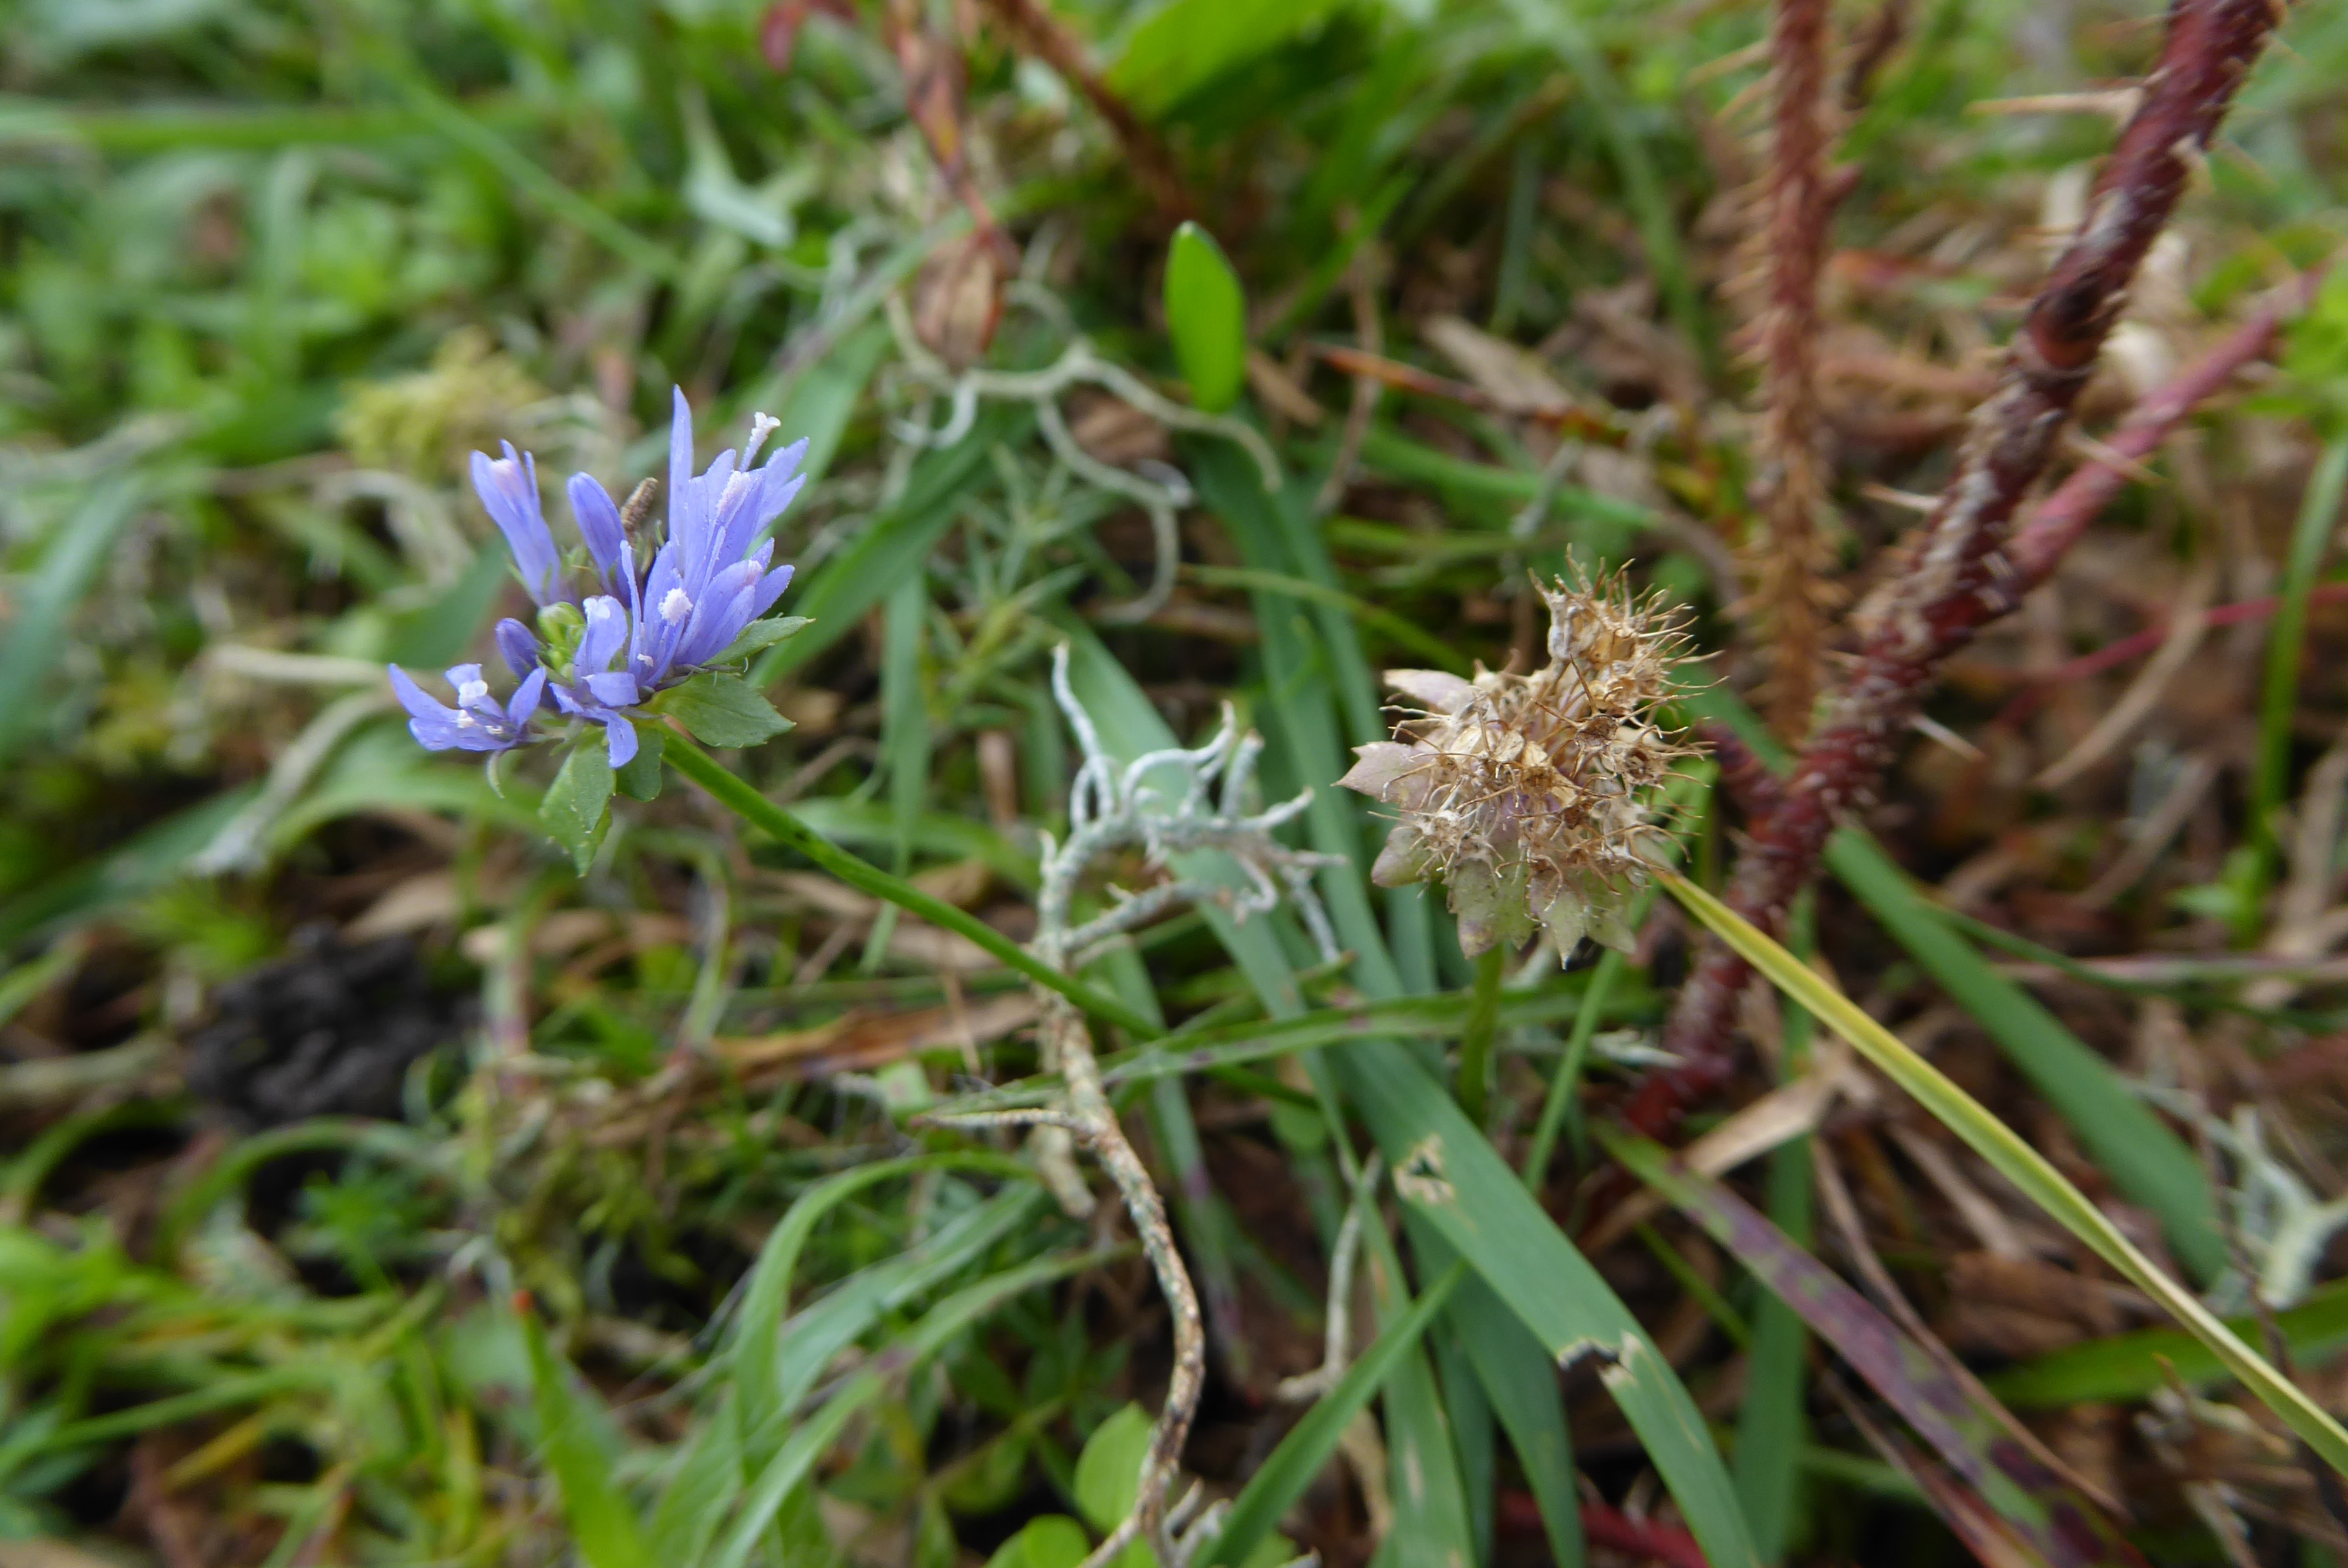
(315, 1054)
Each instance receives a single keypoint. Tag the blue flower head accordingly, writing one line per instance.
(639, 628)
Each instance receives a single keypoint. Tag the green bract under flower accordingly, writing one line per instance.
(1527, 795)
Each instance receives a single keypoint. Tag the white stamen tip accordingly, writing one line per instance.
(761, 426)
(675, 606)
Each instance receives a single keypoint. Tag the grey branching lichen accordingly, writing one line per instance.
(1527, 795)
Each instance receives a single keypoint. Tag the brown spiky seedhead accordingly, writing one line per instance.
(1529, 794)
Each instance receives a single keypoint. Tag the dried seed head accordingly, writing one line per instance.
(1527, 795)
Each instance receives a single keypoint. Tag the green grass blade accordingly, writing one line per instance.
(1770, 1428)
(2018, 1162)
(762, 1407)
(1972, 1436)
(738, 796)
(2279, 700)
(576, 1438)
(1452, 1178)
(1282, 1478)
(708, 1477)
(1555, 23)
(35, 633)
(1521, 1387)
(2125, 1367)
(2147, 1162)
(1488, 1217)
(795, 1460)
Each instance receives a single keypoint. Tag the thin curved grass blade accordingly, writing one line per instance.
(2018, 1162)
(2056, 1522)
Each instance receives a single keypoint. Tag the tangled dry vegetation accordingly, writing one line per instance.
(1541, 783)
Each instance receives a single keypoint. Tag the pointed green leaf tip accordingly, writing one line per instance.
(1206, 311)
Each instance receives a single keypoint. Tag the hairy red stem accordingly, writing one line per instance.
(1961, 576)
(1789, 565)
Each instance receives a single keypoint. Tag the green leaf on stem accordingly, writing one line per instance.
(1207, 314)
(641, 779)
(721, 710)
(574, 808)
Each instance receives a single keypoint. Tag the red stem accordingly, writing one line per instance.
(1962, 575)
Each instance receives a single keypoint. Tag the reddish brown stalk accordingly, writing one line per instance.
(2128, 649)
(1791, 598)
(1038, 32)
(1580, 424)
(2057, 522)
(1961, 576)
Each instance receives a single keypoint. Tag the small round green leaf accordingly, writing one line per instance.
(1206, 311)
(1054, 1541)
(1108, 1472)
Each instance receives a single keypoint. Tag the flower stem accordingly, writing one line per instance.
(760, 812)
(1476, 1039)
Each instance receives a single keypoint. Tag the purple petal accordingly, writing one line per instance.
(509, 490)
(606, 634)
(722, 611)
(655, 636)
(518, 646)
(680, 445)
(778, 494)
(613, 689)
(770, 589)
(687, 514)
(620, 737)
(599, 525)
(415, 700)
(527, 698)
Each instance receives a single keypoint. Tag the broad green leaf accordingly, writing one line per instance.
(641, 779)
(721, 710)
(574, 808)
(1206, 313)
(1283, 1477)
(579, 1445)
(2016, 1160)
(1108, 1471)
